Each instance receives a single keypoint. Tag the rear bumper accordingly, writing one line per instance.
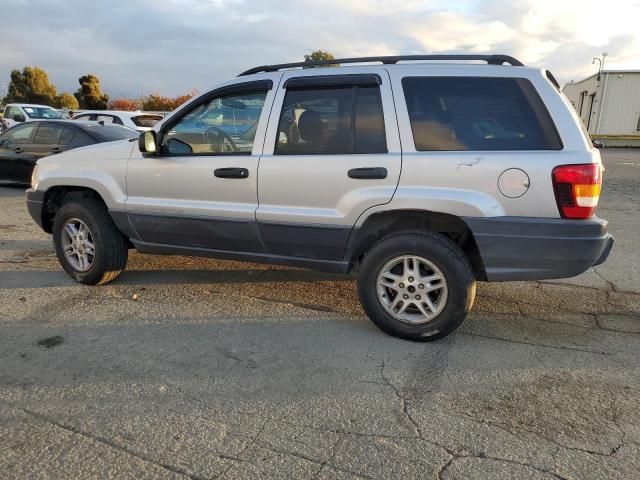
(35, 202)
(529, 248)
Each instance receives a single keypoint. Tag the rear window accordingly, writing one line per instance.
(109, 133)
(146, 120)
(478, 113)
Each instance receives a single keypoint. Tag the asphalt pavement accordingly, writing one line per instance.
(200, 368)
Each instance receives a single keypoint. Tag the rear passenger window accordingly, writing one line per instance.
(478, 113)
(47, 134)
(331, 120)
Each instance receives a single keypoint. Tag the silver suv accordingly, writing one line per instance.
(421, 176)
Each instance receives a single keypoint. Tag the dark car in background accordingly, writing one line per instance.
(21, 146)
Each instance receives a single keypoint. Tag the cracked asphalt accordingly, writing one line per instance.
(200, 369)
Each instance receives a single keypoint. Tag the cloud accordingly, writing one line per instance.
(173, 46)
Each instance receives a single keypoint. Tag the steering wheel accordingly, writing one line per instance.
(221, 136)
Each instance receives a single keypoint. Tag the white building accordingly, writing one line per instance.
(609, 105)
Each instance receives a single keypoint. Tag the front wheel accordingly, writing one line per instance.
(88, 245)
(416, 285)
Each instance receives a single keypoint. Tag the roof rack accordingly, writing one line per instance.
(387, 60)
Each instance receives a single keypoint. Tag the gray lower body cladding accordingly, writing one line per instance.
(511, 248)
(526, 248)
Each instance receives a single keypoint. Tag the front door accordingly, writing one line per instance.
(200, 191)
(16, 153)
(331, 152)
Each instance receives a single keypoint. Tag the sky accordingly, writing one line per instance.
(174, 46)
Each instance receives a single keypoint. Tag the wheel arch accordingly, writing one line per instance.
(381, 224)
(55, 196)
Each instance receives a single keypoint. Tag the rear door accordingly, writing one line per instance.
(47, 140)
(332, 151)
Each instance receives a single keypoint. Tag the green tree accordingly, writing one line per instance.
(31, 85)
(67, 100)
(319, 56)
(89, 95)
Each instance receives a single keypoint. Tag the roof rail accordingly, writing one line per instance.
(387, 60)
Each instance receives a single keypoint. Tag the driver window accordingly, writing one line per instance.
(222, 125)
(20, 134)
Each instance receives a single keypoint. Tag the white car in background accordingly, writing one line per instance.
(15, 113)
(139, 121)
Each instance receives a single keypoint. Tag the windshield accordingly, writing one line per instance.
(42, 112)
(109, 133)
(146, 120)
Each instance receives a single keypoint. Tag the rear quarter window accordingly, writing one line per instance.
(478, 113)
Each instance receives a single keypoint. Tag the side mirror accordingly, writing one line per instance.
(147, 142)
(598, 144)
(19, 117)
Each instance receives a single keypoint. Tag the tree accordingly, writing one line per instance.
(319, 56)
(89, 95)
(31, 85)
(184, 98)
(124, 104)
(67, 100)
(157, 103)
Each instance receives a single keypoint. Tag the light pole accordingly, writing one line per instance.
(600, 61)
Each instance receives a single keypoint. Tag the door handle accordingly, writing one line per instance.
(368, 173)
(231, 172)
(18, 150)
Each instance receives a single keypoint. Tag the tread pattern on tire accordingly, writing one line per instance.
(451, 249)
(114, 248)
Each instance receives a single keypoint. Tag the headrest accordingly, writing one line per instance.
(310, 126)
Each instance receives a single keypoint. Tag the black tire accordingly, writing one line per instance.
(444, 254)
(111, 249)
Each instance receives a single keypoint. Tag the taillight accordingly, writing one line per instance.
(577, 189)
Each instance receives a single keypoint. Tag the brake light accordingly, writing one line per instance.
(577, 189)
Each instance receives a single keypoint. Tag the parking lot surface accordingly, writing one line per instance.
(199, 368)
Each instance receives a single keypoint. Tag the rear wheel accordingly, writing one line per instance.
(88, 245)
(416, 285)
